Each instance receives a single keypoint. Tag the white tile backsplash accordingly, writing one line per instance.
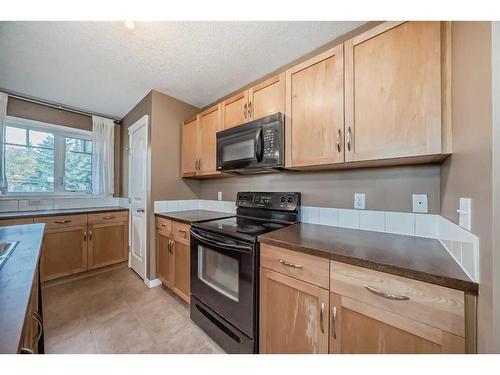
(400, 223)
(35, 204)
(348, 218)
(372, 220)
(462, 245)
(9, 205)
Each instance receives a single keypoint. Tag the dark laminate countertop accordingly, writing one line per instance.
(194, 216)
(16, 279)
(417, 258)
(64, 211)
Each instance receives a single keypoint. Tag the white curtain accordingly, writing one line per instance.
(3, 114)
(103, 141)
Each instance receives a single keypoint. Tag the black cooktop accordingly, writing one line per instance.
(238, 227)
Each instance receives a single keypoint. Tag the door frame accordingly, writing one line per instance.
(143, 121)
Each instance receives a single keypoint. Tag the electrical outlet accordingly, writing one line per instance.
(359, 201)
(219, 195)
(420, 203)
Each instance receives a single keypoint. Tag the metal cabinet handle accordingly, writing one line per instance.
(62, 221)
(38, 319)
(140, 210)
(163, 225)
(84, 236)
(348, 140)
(170, 245)
(386, 295)
(26, 351)
(321, 313)
(245, 111)
(334, 322)
(90, 236)
(250, 110)
(108, 217)
(339, 137)
(182, 231)
(288, 264)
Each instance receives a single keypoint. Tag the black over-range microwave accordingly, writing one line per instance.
(255, 147)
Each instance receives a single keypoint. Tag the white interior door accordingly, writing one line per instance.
(138, 189)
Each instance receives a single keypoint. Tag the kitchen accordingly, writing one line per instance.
(337, 197)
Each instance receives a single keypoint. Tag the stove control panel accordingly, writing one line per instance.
(271, 200)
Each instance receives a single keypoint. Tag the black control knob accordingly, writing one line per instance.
(290, 199)
(283, 199)
(245, 197)
(240, 197)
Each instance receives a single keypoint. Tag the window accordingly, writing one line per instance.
(43, 158)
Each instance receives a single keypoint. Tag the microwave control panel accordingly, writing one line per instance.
(272, 142)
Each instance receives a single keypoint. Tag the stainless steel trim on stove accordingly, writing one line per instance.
(222, 245)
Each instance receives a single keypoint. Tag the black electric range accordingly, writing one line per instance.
(225, 267)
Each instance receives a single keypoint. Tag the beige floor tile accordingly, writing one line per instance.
(189, 340)
(79, 343)
(122, 334)
(57, 295)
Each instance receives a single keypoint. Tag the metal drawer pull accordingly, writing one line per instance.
(182, 231)
(386, 295)
(285, 263)
(108, 217)
(334, 322)
(26, 351)
(163, 225)
(62, 221)
(321, 313)
(38, 319)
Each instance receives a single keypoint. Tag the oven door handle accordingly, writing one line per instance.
(221, 244)
(259, 147)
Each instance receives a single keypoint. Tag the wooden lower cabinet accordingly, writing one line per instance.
(64, 252)
(173, 254)
(165, 258)
(357, 327)
(293, 315)
(6, 222)
(31, 342)
(108, 244)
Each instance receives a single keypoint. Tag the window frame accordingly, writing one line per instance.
(60, 133)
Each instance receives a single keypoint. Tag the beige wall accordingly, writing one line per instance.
(468, 173)
(385, 188)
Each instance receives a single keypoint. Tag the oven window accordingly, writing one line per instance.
(238, 150)
(219, 271)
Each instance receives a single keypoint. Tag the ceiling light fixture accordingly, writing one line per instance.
(129, 24)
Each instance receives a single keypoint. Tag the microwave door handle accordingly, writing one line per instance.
(221, 244)
(259, 149)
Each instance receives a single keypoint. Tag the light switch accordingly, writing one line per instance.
(465, 213)
(420, 203)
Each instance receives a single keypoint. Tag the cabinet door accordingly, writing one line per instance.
(315, 110)
(208, 125)
(189, 148)
(267, 98)
(393, 91)
(182, 274)
(165, 257)
(108, 244)
(360, 328)
(293, 315)
(64, 252)
(235, 110)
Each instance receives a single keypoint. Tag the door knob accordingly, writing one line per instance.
(140, 210)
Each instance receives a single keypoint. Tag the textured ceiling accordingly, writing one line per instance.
(107, 68)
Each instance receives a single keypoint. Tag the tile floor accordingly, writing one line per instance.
(116, 312)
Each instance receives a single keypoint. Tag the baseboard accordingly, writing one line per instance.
(152, 283)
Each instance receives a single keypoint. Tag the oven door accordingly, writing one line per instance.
(223, 277)
(241, 148)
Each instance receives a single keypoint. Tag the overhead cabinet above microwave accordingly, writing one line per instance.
(381, 98)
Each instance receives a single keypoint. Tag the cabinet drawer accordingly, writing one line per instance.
(163, 224)
(6, 222)
(54, 222)
(434, 305)
(108, 217)
(309, 268)
(181, 232)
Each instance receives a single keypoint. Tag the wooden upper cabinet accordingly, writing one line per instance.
(189, 153)
(267, 97)
(394, 77)
(314, 110)
(235, 110)
(293, 315)
(209, 123)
